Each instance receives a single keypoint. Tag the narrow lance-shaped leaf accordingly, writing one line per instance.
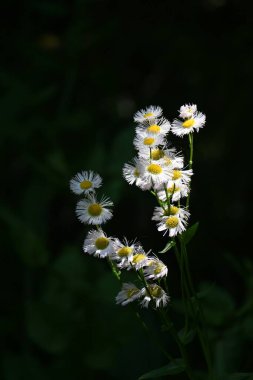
(168, 246)
(187, 235)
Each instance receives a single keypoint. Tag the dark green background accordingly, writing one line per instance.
(72, 76)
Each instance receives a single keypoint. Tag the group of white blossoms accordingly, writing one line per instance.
(159, 169)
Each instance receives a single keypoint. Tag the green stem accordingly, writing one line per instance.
(173, 332)
(199, 315)
(190, 164)
(153, 337)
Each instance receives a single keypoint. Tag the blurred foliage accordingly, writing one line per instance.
(72, 75)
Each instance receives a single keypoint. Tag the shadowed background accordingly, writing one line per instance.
(72, 76)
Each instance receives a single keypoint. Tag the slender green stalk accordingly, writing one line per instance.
(153, 337)
(198, 314)
(171, 328)
(173, 332)
(190, 164)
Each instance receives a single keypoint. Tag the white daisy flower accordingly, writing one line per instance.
(156, 294)
(160, 127)
(172, 224)
(166, 156)
(129, 293)
(176, 192)
(154, 174)
(91, 211)
(98, 244)
(123, 252)
(181, 128)
(144, 140)
(155, 269)
(132, 174)
(160, 213)
(85, 182)
(139, 259)
(147, 114)
(181, 176)
(187, 111)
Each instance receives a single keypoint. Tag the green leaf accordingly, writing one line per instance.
(168, 246)
(186, 336)
(187, 235)
(175, 367)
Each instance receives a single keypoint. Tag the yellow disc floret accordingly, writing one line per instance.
(157, 154)
(176, 174)
(148, 140)
(173, 189)
(172, 222)
(95, 209)
(188, 123)
(136, 172)
(154, 128)
(174, 210)
(154, 169)
(155, 291)
(138, 258)
(158, 269)
(148, 114)
(125, 251)
(85, 185)
(102, 242)
(132, 292)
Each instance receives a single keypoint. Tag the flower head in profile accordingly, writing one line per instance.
(123, 252)
(92, 211)
(132, 174)
(85, 182)
(192, 120)
(148, 114)
(128, 293)
(187, 111)
(98, 244)
(155, 293)
(155, 269)
(176, 192)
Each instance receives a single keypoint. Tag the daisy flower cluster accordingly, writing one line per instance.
(121, 254)
(159, 168)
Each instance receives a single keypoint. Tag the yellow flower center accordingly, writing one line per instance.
(102, 242)
(85, 184)
(167, 160)
(154, 169)
(173, 189)
(176, 174)
(125, 251)
(154, 128)
(188, 123)
(148, 114)
(132, 292)
(157, 154)
(95, 209)
(139, 257)
(174, 210)
(155, 291)
(172, 222)
(136, 172)
(158, 269)
(148, 140)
